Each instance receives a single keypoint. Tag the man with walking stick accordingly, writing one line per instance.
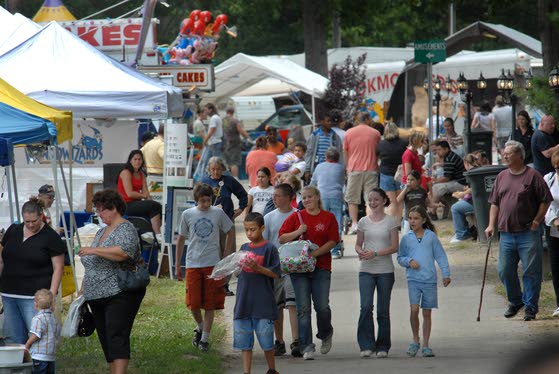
(519, 199)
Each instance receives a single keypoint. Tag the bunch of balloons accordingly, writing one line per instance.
(197, 39)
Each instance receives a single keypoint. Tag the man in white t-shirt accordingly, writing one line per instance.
(213, 141)
(285, 295)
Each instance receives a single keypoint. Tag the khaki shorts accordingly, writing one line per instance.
(441, 189)
(360, 183)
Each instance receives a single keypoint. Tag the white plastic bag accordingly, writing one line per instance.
(70, 327)
(229, 265)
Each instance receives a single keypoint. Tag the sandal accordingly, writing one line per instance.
(427, 352)
(412, 349)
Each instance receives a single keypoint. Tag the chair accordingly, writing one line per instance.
(148, 247)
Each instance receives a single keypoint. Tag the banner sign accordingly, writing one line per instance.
(175, 154)
(95, 142)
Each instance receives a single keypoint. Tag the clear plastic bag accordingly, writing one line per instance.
(70, 326)
(229, 265)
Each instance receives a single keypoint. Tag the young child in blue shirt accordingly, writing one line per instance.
(419, 249)
(255, 307)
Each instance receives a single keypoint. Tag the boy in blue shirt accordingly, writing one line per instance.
(255, 306)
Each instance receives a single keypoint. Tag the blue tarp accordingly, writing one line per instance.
(24, 128)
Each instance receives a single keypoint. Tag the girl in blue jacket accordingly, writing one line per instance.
(419, 249)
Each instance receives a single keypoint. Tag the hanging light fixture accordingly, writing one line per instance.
(502, 81)
(481, 82)
(448, 83)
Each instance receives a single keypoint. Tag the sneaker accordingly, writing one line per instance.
(308, 356)
(196, 338)
(326, 344)
(366, 354)
(228, 292)
(455, 240)
(512, 310)
(412, 349)
(336, 254)
(295, 352)
(279, 348)
(529, 315)
(382, 354)
(203, 346)
(353, 229)
(272, 371)
(427, 352)
(555, 313)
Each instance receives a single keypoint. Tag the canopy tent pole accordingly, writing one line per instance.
(9, 180)
(57, 195)
(313, 113)
(71, 195)
(13, 169)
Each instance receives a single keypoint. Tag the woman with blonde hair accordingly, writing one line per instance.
(390, 151)
(321, 229)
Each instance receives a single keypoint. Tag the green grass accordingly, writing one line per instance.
(160, 341)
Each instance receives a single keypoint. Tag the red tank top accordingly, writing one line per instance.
(137, 185)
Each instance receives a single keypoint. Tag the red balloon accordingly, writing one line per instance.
(195, 15)
(186, 26)
(206, 16)
(199, 27)
(223, 18)
(216, 27)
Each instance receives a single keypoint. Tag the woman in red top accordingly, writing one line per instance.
(320, 228)
(133, 187)
(410, 158)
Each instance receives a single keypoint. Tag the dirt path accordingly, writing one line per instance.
(460, 343)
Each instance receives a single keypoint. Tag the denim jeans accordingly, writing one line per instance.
(526, 247)
(366, 326)
(459, 211)
(44, 367)
(335, 206)
(208, 152)
(18, 314)
(315, 285)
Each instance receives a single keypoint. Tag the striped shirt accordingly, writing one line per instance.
(324, 142)
(454, 168)
(47, 329)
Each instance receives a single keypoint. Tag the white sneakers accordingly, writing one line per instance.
(382, 354)
(454, 240)
(366, 354)
(326, 344)
(308, 356)
(555, 313)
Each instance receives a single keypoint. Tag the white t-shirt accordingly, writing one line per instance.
(217, 137)
(260, 198)
(377, 237)
(273, 222)
(484, 121)
(503, 120)
(299, 166)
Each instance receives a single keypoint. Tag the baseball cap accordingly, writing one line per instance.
(46, 189)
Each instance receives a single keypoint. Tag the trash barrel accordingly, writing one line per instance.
(482, 141)
(481, 182)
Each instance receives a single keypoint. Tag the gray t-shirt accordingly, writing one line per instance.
(272, 223)
(202, 228)
(503, 120)
(329, 178)
(100, 278)
(377, 237)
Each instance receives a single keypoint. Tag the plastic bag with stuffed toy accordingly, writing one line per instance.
(229, 265)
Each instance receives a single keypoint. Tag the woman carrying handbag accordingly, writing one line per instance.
(321, 229)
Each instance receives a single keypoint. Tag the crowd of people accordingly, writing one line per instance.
(389, 189)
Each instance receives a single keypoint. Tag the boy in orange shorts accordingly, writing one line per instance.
(202, 225)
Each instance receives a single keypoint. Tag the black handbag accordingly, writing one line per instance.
(86, 326)
(133, 277)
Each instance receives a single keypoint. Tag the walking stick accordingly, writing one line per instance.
(484, 274)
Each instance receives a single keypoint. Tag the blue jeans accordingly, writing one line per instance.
(317, 286)
(366, 326)
(459, 211)
(214, 150)
(44, 367)
(522, 246)
(18, 314)
(335, 206)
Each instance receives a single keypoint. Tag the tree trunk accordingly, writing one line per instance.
(336, 30)
(14, 6)
(549, 34)
(315, 36)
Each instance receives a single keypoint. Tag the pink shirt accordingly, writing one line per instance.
(360, 144)
(258, 159)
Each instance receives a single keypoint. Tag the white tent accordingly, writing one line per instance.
(57, 68)
(242, 71)
(14, 29)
